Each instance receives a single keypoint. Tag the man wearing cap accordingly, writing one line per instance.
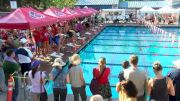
(175, 76)
(24, 56)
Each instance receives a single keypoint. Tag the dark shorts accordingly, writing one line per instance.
(25, 67)
(38, 44)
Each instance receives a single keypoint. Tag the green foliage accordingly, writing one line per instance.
(62, 3)
(39, 4)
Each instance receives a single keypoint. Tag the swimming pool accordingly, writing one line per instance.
(116, 44)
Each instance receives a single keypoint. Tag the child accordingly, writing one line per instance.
(127, 91)
(125, 66)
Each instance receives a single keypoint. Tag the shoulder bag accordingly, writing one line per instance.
(43, 95)
(50, 84)
(94, 85)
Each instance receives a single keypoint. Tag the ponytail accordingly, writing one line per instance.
(34, 70)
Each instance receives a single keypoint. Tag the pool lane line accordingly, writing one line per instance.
(153, 54)
(147, 46)
(113, 64)
(132, 36)
(135, 40)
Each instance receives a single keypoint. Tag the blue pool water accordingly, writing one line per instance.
(116, 44)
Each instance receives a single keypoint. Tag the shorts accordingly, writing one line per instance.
(25, 67)
(38, 44)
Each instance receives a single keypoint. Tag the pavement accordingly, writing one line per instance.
(46, 66)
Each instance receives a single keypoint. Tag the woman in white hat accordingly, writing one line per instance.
(175, 76)
(60, 76)
(76, 78)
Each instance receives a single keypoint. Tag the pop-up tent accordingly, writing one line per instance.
(83, 12)
(71, 12)
(55, 12)
(26, 18)
(178, 10)
(166, 10)
(147, 9)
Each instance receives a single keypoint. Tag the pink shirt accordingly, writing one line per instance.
(104, 77)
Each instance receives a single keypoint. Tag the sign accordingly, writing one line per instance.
(59, 13)
(36, 15)
(13, 4)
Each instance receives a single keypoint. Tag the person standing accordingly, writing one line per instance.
(3, 87)
(76, 78)
(38, 40)
(137, 76)
(175, 77)
(159, 87)
(37, 79)
(125, 66)
(10, 66)
(24, 56)
(60, 76)
(103, 81)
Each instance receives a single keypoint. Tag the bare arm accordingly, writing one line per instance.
(81, 76)
(149, 86)
(118, 88)
(67, 78)
(170, 87)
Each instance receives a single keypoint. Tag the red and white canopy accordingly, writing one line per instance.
(26, 18)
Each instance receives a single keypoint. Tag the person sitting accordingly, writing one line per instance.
(160, 86)
(129, 90)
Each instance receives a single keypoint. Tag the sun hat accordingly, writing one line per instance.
(23, 40)
(75, 59)
(35, 64)
(177, 63)
(58, 62)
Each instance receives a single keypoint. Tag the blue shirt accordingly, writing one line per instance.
(60, 81)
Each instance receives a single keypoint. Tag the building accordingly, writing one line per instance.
(176, 3)
(98, 4)
(137, 4)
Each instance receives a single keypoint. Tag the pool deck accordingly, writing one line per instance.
(68, 51)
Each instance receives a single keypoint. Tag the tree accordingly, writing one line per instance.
(62, 3)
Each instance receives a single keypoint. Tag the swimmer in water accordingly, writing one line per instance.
(140, 49)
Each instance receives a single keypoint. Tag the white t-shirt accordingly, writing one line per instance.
(138, 77)
(36, 81)
(23, 58)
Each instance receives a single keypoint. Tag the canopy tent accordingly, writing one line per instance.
(83, 12)
(166, 10)
(92, 9)
(178, 10)
(71, 12)
(147, 9)
(26, 18)
(55, 12)
(113, 10)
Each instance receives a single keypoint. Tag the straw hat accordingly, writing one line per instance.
(177, 63)
(75, 59)
(58, 62)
